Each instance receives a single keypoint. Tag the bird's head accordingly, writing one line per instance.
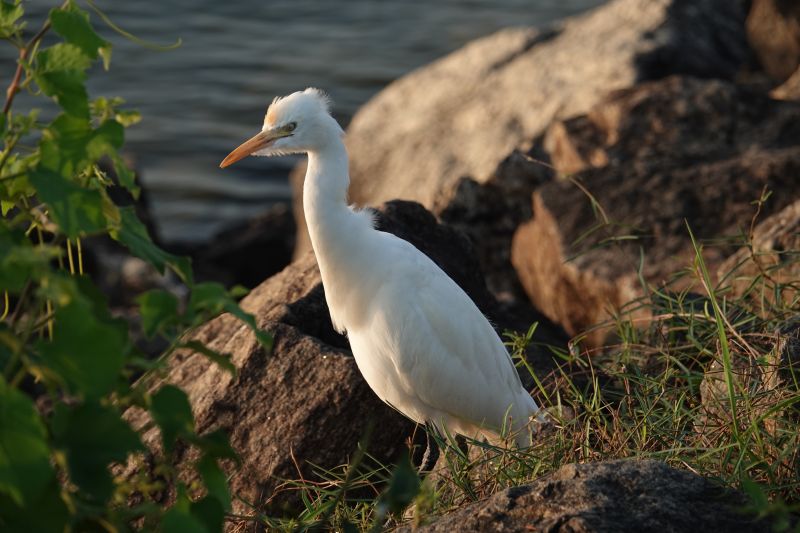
(293, 124)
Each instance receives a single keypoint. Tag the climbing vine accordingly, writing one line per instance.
(67, 366)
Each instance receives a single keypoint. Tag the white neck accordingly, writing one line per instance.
(340, 236)
(325, 194)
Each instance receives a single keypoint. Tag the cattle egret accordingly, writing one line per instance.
(418, 339)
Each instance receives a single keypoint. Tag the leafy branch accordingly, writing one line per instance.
(24, 52)
(66, 362)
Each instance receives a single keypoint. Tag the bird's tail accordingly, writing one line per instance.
(531, 418)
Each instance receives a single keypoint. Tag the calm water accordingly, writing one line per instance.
(201, 99)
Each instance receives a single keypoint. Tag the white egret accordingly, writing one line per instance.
(418, 339)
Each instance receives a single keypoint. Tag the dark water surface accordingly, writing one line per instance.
(200, 100)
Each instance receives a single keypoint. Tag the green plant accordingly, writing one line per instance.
(67, 365)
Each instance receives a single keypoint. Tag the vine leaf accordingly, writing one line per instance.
(173, 414)
(88, 368)
(25, 468)
(76, 209)
(159, 310)
(133, 234)
(67, 88)
(92, 436)
(214, 479)
(9, 14)
(213, 298)
(74, 27)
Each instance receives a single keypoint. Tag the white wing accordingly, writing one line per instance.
(429, 351)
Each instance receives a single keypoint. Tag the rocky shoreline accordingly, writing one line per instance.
(553, 174)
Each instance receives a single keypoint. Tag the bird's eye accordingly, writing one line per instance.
(290, 126)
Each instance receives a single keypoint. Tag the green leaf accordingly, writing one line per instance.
(133, 234)
(62, 57)
(20, 261)
(105, 54)
(47, 514)
(223, 360)
(12, 189)
(215, 480)
(172, 412)
(9, 14)
(92, 436)
(128, 118)
(126, 177)
(9, 343)
(60, 72)
(213, 298)
(180, 521)
(216, 444)
(105, 140)
(87, 351)
(70, 145)
(25, 468)
(238, 292)
(75, 209)
(73, 25)
(210, 297)
(63, 145)
(404, 486)
(755, 492)
(59, 287)
(23, 123)
(206, 515)
(158, 309)
(67, 88)
(209, 512)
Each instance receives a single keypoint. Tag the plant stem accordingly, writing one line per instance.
(6, 306)
(13, 87)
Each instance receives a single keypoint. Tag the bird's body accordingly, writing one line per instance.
(420, 342)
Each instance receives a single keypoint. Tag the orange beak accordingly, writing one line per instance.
(258, 141)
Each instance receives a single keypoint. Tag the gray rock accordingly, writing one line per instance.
(614, 496)
(489, 214)
(652, 158)
(462, 114)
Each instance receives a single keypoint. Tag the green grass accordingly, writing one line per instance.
(640, 396)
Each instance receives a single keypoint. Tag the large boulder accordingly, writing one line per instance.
(248, 252)
(621, 496)
(773, 30)
(463, 114)
(306, 402)
(489, 214)
(637, 169)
